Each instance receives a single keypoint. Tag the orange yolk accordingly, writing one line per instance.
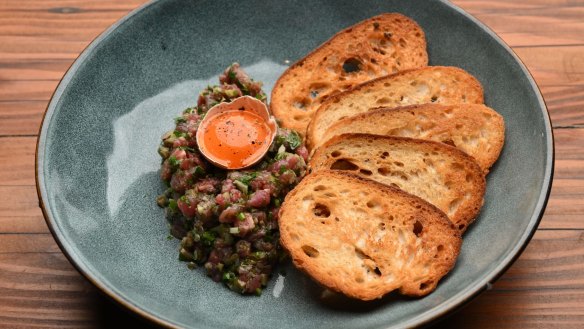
(235, 139)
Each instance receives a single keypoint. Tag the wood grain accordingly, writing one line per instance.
(21, 117)
(17, 160)
(533, 22)
(23, 101)
(544, 286)
(565, 104)
(39, 39)
(19, 210)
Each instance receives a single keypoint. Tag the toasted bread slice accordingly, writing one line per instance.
(375, 47)
(474, 128)
(366, 239)
(438, 173)
(432, 84)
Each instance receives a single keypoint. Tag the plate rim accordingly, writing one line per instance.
(448, 307)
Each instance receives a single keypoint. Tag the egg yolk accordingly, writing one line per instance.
(235, 139)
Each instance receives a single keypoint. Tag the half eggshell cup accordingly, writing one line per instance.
(243, 103)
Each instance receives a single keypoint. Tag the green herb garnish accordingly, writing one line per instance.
(173, 161)
(172, 205)
(208, 238)
(294, 140)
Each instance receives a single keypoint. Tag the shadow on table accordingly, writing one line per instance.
(112, 315)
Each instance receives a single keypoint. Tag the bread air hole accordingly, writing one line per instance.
(336, 154)
(321, 210)
(402, 43)
(372, 204)
(439, 250)
(366, 172)
(344, 164)
(318, 88)
(384, 171)
(310, 251)
(457, 166)
(352, 65)
(319, 188)
(368, 262)
(302, 104)
(425, 285)
(382, 100)
(449, 142)
(379, 51)
(418, 227)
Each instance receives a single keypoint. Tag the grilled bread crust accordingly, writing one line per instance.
(441, 174)
(475, 129)
(432, 84)
(375, 47)
(366, 239)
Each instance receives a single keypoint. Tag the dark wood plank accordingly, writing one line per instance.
(551, 65)
(45, 291)
(23, 102)
(76, 21)
(17, 160)
(554, 65)
(28, 243)
(525, 309)
(40, 289)
(27, 70)
(545, 286)
(553, 260)
(533, 22)
(62, 32)
(33, 90)
(21, 117)
(55, 29)
(20, 211)
(565, 104)
(36, 6)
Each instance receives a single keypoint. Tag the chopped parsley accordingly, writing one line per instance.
(173, 161)
(294, 140)
(172, 204)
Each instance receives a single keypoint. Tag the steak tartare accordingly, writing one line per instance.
(227, 220)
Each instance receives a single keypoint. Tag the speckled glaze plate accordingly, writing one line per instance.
(97, 166)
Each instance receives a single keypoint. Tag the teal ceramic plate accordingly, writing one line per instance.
(97, 166)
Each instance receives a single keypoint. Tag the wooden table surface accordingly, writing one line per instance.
(39, 39)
